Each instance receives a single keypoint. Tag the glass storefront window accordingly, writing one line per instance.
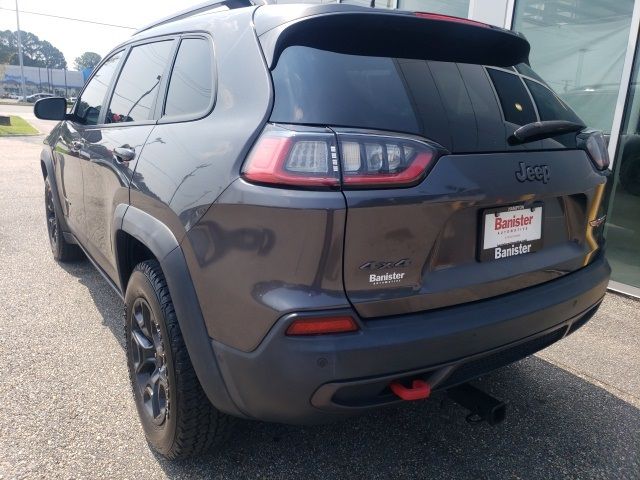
(579, 47)
(623, 226)
(456, 8)
(367, 3)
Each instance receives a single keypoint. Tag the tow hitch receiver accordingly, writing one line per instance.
(481, 405)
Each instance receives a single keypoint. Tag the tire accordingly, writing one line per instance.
(176, 415)
(62, 250)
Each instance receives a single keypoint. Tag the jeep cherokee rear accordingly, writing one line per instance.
(339, 217)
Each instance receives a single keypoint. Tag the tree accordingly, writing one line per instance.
(87, 60)
(35, 52)
(51, 56)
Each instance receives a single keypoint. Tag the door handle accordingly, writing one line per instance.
(124, 153)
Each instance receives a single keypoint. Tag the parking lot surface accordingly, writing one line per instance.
(66, 410)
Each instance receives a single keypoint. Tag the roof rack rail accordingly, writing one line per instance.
(200, 8)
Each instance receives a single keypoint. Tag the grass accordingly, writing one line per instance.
(19, 126)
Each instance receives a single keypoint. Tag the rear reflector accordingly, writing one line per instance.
(322, 325)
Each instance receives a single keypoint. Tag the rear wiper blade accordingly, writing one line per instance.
(539, 130)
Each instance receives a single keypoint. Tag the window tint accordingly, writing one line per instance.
(191, 84)
(526, 70)
(549, 106)
(514, 98)
(320, 87)
(137, 88)
(88, 107)
(454, 104)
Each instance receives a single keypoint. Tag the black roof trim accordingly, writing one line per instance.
(201, 8)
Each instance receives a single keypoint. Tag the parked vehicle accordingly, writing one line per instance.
(306, 226)
(36, 96)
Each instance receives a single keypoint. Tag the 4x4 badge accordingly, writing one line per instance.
(537, 172)
(381, 265)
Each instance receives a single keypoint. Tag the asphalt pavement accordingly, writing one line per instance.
(66, 410)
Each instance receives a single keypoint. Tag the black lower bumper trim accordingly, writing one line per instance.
(315, 379)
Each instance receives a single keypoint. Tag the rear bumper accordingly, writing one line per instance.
(317, 379)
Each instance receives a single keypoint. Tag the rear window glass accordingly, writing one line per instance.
(460, 106)
(526, 70)
(321, 87)
(550, 107)
(514, 98)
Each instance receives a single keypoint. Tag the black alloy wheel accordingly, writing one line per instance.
(62, 250)
(52, 220)
(177, 418)
(149, 361)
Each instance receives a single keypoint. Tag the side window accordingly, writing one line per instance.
(191, 83)
(550, 107)
(514, 98)
(137, 87)
(89, 104)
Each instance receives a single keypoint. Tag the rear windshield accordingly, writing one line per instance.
(464, 107)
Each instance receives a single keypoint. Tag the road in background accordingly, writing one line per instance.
(26, 112)
(67, 410)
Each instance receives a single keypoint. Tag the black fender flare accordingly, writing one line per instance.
(160, 240)
(46, 162)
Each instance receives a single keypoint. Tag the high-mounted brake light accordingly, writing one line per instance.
(314, 158)
(449, 18)
(322, 325)
(594, 143)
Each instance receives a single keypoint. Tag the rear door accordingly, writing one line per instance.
(113, 150)
(489, 217)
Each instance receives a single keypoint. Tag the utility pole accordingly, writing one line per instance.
(22, 85)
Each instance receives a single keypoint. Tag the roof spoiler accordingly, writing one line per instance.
(362, 31)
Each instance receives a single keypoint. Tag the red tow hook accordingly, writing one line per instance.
(419, 390)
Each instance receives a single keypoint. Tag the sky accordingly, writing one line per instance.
(74, 38)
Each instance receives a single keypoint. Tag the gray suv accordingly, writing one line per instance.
(311, 211)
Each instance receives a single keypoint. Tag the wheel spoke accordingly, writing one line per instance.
(137, 314)
(155, 395)
(148, 357)
(147, 320)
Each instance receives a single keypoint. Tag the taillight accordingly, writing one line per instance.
(594, 143)
(378, 161)
(287, 157)
(310, 158)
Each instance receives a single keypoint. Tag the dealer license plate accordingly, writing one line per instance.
(511, 231)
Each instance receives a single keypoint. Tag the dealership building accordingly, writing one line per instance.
(65, 83)
(587, 51)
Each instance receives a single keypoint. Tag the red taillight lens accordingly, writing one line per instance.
(322, 325)
(286, 157)
(310, 158)
(594, 143)
(378, 161)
